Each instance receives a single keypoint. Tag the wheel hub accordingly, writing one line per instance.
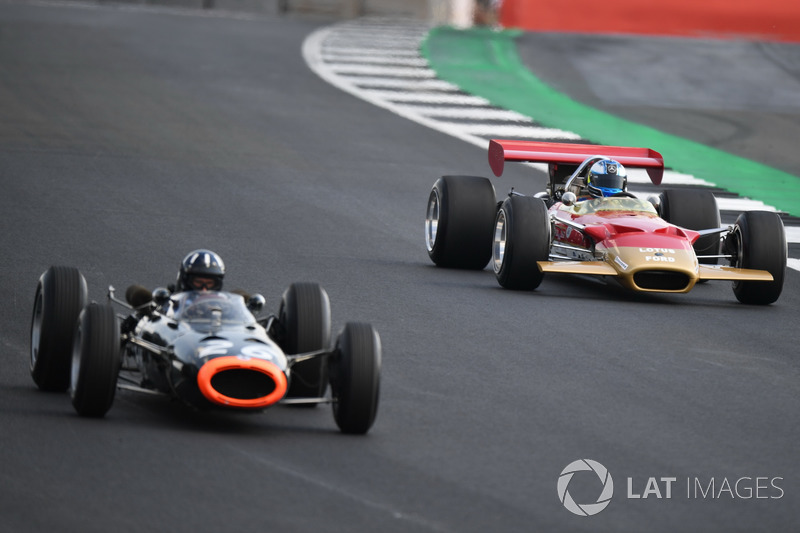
(499, 244)
(432, 221)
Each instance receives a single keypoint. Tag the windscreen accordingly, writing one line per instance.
(622, 204)
(210, 308)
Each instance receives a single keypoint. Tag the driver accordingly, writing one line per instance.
(606, 178)
(201, 270)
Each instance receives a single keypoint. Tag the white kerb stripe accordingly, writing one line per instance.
(792, 234)
(511, 130)
(375, 59)
(406, 84)
(428, 98)
(362, 52)
(383, 71)
(470, 113)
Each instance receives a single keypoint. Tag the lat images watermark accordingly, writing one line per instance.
(664, 487)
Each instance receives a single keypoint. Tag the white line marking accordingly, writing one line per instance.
(339, 490)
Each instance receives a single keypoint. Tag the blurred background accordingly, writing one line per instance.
(767, 19)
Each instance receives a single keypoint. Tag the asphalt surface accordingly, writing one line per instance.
(742, 97)
(130, 136)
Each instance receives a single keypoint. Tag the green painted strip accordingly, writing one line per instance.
(485, 62)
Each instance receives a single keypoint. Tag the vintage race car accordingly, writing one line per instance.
(206, 349)
(666, 243)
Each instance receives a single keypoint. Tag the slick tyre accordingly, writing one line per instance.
(355, 378)
(758, 241)
(521, 238)
(458, 222)
(96, 359)
(695, 210)
(305, 314)
(60, 295)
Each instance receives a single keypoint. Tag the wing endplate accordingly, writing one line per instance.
(593, 268)
(501, 151)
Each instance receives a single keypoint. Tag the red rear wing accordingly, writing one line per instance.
(575, 154)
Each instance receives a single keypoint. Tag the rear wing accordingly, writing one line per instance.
(573, 155)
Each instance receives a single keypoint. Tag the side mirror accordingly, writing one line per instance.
(568, 198)
(161, 296)
(256, 303)
(656, 201)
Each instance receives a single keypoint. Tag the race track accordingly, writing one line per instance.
(131, 135)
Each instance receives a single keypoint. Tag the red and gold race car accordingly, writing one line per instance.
(586, 222)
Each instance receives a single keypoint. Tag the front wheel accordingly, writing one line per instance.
(458, 222)
(60, 296)
(355, 378)
(305, 314)
(758, 241)
(96, 360)
(521, 238)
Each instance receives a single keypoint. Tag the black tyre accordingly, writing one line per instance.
(96, 359)
(459, 220)
(758, 241)
(355, 378)
(695, 210)
(521, 238)
(306, 317)
(60, 296)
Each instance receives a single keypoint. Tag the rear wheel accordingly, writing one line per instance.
(306, 317)
(96, 359)
(758, 241)
(695, 210)
(458, 222)
(60, 296)
(521, 238)
(355, 378)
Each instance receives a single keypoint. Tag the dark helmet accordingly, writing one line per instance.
(606, 178)
(201, 264)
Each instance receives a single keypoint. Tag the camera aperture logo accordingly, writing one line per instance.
(585, 509)
(585, 486)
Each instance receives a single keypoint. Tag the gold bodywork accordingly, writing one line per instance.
(653, 269)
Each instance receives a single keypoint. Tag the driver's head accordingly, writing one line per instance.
(201, 270)
(606, 178)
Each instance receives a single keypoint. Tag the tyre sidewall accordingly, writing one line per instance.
(761, 245)
(527, 242)
(61, 294)
(355, 378)
(96, 360)
(467, 207)
(306, 316)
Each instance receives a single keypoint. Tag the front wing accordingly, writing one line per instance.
(628, 277)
